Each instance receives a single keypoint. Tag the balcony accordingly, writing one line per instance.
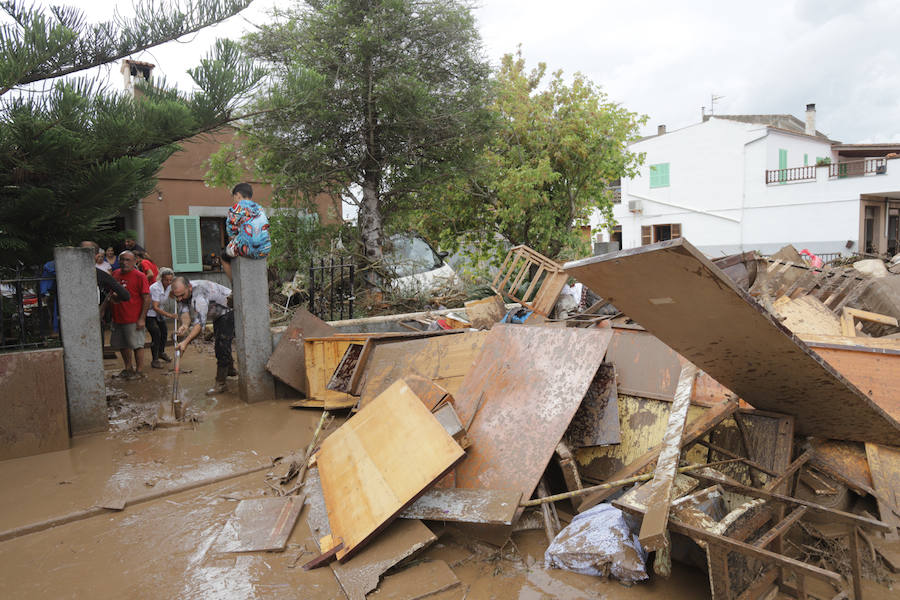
(854, 168)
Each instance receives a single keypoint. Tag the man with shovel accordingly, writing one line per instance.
(198, 302)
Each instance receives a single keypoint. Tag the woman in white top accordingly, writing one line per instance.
(156, 317)
(100, 260)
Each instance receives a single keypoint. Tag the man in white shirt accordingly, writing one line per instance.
(157, 315)
(200, 301)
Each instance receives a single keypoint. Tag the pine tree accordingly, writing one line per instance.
(74, 153)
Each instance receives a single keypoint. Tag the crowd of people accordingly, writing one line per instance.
(134, 294)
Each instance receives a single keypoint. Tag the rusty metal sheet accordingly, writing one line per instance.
(260, 524)
(492, 507)
(677, 294)
(288, 362)
(845, 460)
(596, 422)
(520, 396)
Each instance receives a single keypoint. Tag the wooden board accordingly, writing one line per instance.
(653, 527)
(485, 313)
(884, 463)
(807, 315)
(677, 294)
(288, 362)
(523, 391)
(444, 359)
(875, 373)
(596, 422)
(340, 404)
(493, 507)
(260, 524)
(846, 461)
(378, 462)
(419, 581)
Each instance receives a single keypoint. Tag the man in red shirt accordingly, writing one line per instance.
(128, 333)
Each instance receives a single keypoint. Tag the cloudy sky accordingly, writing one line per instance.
(665, 59)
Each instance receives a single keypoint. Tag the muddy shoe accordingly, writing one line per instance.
(232, 372)
(218, 388)
(156, 364)
(138, 375)
(126, 374)
(165, 357)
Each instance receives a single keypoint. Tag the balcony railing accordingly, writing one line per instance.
(853, 168)
(858, 168)
(792, 174)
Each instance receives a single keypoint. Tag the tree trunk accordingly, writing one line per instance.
(371, 228)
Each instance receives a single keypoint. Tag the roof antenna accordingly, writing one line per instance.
(712, 102)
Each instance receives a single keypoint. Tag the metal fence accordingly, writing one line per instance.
(29, 318)
(331, 288)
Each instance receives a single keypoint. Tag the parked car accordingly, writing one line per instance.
(416, 266)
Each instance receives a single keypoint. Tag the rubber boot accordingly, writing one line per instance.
(220, 386)
(232, 372)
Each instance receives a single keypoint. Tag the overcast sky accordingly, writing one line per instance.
(664, 59)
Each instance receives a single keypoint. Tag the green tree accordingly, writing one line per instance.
(73, 154)
(556, 149)
(371, 101)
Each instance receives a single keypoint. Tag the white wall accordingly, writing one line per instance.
(796, 146)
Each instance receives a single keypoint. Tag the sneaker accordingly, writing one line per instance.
(156, 364)
(218, 388)
(125, 374)
(165, 357)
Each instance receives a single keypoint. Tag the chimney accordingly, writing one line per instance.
(810, 119)
(660, 130)
(134, 70)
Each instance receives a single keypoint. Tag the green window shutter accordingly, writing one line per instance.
(806, 160)
(186, 252)
(782, 165)
(659, 175)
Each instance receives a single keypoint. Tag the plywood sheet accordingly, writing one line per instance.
(485, 313)
(807, 314)
(493, 507)
(677, 294)
(419, 581)
(288, 362)
(260, 524)
(444, 359)
(379, 462)
(359, 575)
(876, 374)
(525, 387)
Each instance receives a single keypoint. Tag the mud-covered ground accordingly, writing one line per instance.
(163, 548)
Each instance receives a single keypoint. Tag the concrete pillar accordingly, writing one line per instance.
(76, 282)
(251, 321)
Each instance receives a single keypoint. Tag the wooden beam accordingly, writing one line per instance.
(856, 568)
(781, 527)
(792, 468)
(653, 528)
(730, 454)
(838, 515)
(694, 431)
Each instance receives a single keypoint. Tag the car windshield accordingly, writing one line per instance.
(411, 255)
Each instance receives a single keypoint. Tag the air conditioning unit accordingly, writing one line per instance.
(635, 206)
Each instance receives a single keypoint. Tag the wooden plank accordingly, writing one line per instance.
(807, 315)
(522, 401)
(485, 313)
(493, 507)
(865, 315)
(445, 360)
(419, 581)
(695, 430)
(288, 360)
(677, 294)
(781, 528)
(855, 565)
(260, 525)
(851, 343)
(653, 528)
(378, 462)
(773, 485)
(875, 373)
(884, 464)
(344, 403)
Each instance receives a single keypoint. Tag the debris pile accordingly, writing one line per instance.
(696, 425)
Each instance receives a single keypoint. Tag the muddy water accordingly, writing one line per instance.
(166, 548)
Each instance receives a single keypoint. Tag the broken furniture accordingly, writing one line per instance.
(288, 361)
(545, 279)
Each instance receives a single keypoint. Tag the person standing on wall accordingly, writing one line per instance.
(200, 301)
(130, 316)
(157, 315)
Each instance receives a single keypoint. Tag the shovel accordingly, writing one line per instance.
(173, 411)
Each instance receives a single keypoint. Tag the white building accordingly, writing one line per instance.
(750, 182)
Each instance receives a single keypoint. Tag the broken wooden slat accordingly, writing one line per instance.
(379, 461)
(260, 525)
(551, 285)
(653, 528)
(341, 379)
(492, 507)
(419, 581)
(773, 485)
(884, 464)
(781, 527)
(695, 430)
(855, 565)
(677, 294)
(569, 467)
